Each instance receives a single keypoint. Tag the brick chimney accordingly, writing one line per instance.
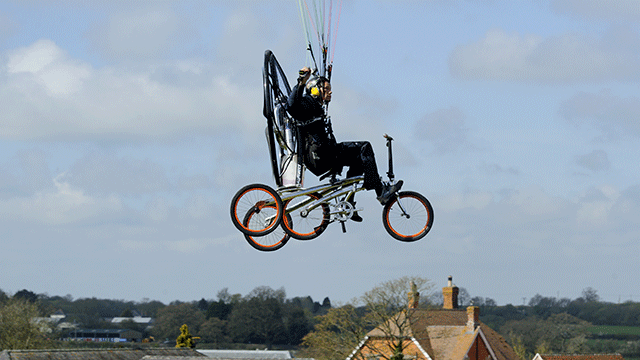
(473, 317)
(450, 295)
(414, 296)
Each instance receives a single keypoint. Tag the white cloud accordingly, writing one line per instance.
(57, 97)
(445, 128)
(617, 10)
(64, 205)
(158, 209)
(104, 174)
(145, 32)
(49, 66)
(613, 115)
(565, 59)
(597, 160)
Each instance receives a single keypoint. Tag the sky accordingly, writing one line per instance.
(126, 127)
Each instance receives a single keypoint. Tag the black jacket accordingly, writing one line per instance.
(315, 131)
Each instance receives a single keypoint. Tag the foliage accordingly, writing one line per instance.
(258, 318)
(337, 334)
(18, 326)
(172, 317)
(560, 333)
(185, 339)
(26, 295)
(212, 331)
(385, 307)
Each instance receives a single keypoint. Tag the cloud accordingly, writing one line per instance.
(103, 174)
(445, 129)
(533, 218)
(44, 65)
(496, 169)
(619, 10)
(61, 98)
(567, 58)
(597, 160)
(141, 33)
(613, 115)
(63, 205)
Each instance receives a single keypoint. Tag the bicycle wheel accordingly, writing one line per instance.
(408, 216)
(308, 224)
(270, 242)
(262, 200)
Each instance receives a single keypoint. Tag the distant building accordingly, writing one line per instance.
(578, 357)
(104, 335)
(436, 334)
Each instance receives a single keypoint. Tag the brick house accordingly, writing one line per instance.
(579, 357)
(436, 334)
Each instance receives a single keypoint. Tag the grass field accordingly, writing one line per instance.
(614, 330)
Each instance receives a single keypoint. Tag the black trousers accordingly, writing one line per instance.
(359, 157)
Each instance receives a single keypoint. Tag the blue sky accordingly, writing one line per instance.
(126, 128)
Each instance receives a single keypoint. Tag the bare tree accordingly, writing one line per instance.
(388, 310)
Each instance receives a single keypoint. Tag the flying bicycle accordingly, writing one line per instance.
(269, 217)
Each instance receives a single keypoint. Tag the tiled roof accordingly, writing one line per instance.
(93, 354)
(581, 357)
(444, 334)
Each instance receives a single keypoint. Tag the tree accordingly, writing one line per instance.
(26, 295)
(173, 316)
(590, 295)
(212, 331)
(258, 318)
(297, 325)
(559, 333)
(336, 335)
(18, 328)
(185, 339)
(385, 307)
(219, 309)
(3, 297)
(389, 308)
(203, 304)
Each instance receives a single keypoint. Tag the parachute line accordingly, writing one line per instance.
(319, 17)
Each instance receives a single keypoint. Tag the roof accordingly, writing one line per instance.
(246, 354)
(579, 357)
(444, 334)
(91, 354)
(135, 319)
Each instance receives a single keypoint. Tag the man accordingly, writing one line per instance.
(321, 151)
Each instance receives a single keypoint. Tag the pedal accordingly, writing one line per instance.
(344, 227)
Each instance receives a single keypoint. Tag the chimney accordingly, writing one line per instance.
(414, 296)
(450, 295)
(473, 318)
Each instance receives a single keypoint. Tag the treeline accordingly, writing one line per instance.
(552, 325)
(264, 316)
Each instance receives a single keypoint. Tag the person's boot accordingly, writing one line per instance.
(355, 216)
(388, 191)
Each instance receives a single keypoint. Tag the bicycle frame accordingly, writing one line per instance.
(341, 189)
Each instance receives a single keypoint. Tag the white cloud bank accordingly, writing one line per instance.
(566, 58)
(48, 94)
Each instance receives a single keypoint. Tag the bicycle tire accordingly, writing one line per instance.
(309, 226)
(270, 242)
(256, 197)
(412, 227)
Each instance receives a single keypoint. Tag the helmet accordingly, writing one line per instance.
(314, 85)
